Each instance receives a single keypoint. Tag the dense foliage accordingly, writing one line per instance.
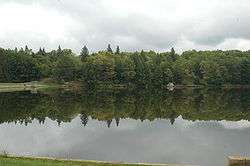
(127, 69)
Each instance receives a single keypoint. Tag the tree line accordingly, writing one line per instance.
(110, 68)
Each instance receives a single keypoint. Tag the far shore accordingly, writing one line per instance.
(36, 85)
(31, 161)
(32, 86)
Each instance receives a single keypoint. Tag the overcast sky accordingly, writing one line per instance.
(132, 24)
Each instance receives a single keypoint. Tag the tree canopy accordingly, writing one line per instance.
(143, 69)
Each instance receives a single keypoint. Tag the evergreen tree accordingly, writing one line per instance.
(16, 50)
(84, 53)
(173, 54)
(109, 49)
(26, 49)
(21, 49)
(117, 50)
(40, 52)
(43, 51)
(142, 52)
(59, 50)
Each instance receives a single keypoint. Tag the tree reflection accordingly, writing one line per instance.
(60, 106)
(109, 121)
(84, 118)
(117, 121)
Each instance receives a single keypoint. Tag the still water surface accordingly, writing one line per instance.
(199, 127)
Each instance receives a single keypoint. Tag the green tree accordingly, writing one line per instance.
(124, 70)
(117, 50)
(66, 68)
(213, 74)
(40, 51)
(167, 73)
(59, 51)
(99, 70)
(43, 51)
(84, 53)
(173, 55)
(27, 50)
(21, 68)
(245, 71)
(109, 49)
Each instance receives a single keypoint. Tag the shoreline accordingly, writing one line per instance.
(29, 86)
(75, 162)
(36, 85)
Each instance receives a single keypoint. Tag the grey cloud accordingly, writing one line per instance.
(206, 23)
(227, 20)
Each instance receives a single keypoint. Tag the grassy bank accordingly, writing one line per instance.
(28, 161)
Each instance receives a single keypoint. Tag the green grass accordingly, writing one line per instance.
(28, 161)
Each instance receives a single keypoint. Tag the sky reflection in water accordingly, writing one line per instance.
(159, 140)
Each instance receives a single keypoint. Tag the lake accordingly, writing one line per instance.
(197, 127)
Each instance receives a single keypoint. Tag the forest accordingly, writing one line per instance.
(143, 69)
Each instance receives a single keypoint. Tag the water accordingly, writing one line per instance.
(199, 127)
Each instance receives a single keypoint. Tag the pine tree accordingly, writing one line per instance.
(21, 49)
(117, 50)
(59, 50)
(44, 52)
(173, 55)
(109, 49)
(26, 49)
(84, 53)
(16, 50)
(40, 52)
(172, 51)
(142, 52)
